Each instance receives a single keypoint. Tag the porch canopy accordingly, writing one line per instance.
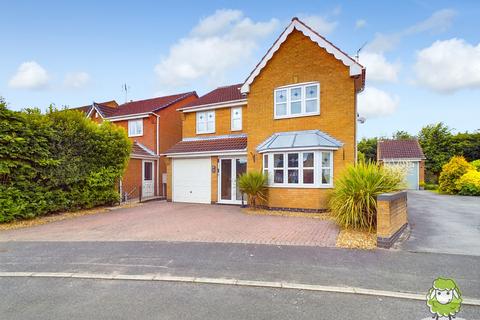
(300, 140)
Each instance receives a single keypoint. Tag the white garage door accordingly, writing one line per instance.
(412, 177)
(192, 180)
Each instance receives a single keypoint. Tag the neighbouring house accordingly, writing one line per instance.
(97, 111)
(404, 152)
(154, 126)
(294, 118)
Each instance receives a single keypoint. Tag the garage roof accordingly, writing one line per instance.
(399, 149)
(308, 139)
(210, 144)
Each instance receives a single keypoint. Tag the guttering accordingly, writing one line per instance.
(205, 154)
(401, 159)
(218, 105)
(141, 156)
(130, 117)
(297, 149)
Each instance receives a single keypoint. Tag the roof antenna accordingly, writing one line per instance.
(357, 56)
(125, 88)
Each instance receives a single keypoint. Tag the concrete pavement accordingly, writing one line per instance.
(443, 223)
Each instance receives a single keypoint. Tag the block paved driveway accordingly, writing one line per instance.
(162, 221)
(443, 223)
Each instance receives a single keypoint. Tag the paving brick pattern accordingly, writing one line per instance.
(162, 221)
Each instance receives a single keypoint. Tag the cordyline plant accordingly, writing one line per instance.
(354, 199)
(254, 184)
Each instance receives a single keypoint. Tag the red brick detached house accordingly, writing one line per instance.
(404, 151)
(154, 126)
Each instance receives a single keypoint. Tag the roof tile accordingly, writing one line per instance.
(210, 144)
(399, 149)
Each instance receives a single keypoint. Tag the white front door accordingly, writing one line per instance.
(230, 169)
(192, 180)
(148, 179)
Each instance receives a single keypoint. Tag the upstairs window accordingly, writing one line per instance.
(135, 128)
(236, 119)
(297, 101)
(205, 122)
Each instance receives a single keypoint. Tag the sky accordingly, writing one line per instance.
(422, 57)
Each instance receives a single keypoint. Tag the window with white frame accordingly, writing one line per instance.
(299, 169)
(135, 128)
(236, 119)
(297, 100)
(206, 122)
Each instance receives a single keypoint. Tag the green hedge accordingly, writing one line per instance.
(57, 161)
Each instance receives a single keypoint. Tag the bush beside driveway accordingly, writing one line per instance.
(162, 221)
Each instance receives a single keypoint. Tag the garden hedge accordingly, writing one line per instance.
(57, 161)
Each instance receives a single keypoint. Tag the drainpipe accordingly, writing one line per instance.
(158, 152)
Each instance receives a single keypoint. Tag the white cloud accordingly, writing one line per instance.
(30, 75)
(76, 80)
(319, 24)
(360, 23)
(373, 103)
(439, 21)
(217, 44)
(449, 65)
(378, 68)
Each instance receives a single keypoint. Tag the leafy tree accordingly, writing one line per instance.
(467, 144)
(402, 135)
(368, 147)
(436, 141)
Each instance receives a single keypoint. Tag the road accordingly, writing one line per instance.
(106, 299)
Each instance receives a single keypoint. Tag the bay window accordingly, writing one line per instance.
(303, 169)
(297, 100)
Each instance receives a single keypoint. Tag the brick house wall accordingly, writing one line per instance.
(300, 60)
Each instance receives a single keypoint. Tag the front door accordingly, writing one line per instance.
(230, 169)
(148, 181)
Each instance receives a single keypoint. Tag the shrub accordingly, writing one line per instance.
(254, 184)
(451, 172)
(354, 199)
(476, 164)
(469, 183)
(57, 161)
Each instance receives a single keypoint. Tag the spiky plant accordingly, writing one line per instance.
(354, 199)
(254, 184)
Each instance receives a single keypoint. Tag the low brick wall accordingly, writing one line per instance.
(392, 217)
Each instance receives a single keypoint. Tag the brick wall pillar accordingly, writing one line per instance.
(392, 217)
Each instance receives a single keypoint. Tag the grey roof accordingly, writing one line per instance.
(299, 140)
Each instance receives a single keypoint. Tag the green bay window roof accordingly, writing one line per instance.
(299, 140)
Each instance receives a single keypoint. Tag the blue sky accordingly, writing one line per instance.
(422, 57)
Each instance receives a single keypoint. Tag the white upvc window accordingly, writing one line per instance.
(297, 100)
(236, 119)
(135, 128)
(205, 122)
(303, 169)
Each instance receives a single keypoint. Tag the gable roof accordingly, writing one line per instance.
(219, 96)
(141, 151)
(86, 109)
(210, 144)
(150, 105)
(399, 149)
(356, 69)
(308, 139)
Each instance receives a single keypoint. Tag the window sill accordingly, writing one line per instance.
(236, 130)
(297, 116)
(135, 135)
(209, 132)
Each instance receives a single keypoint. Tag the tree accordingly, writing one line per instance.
(467, 145)
(368, 147)
(436, 141)
(402, 135)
